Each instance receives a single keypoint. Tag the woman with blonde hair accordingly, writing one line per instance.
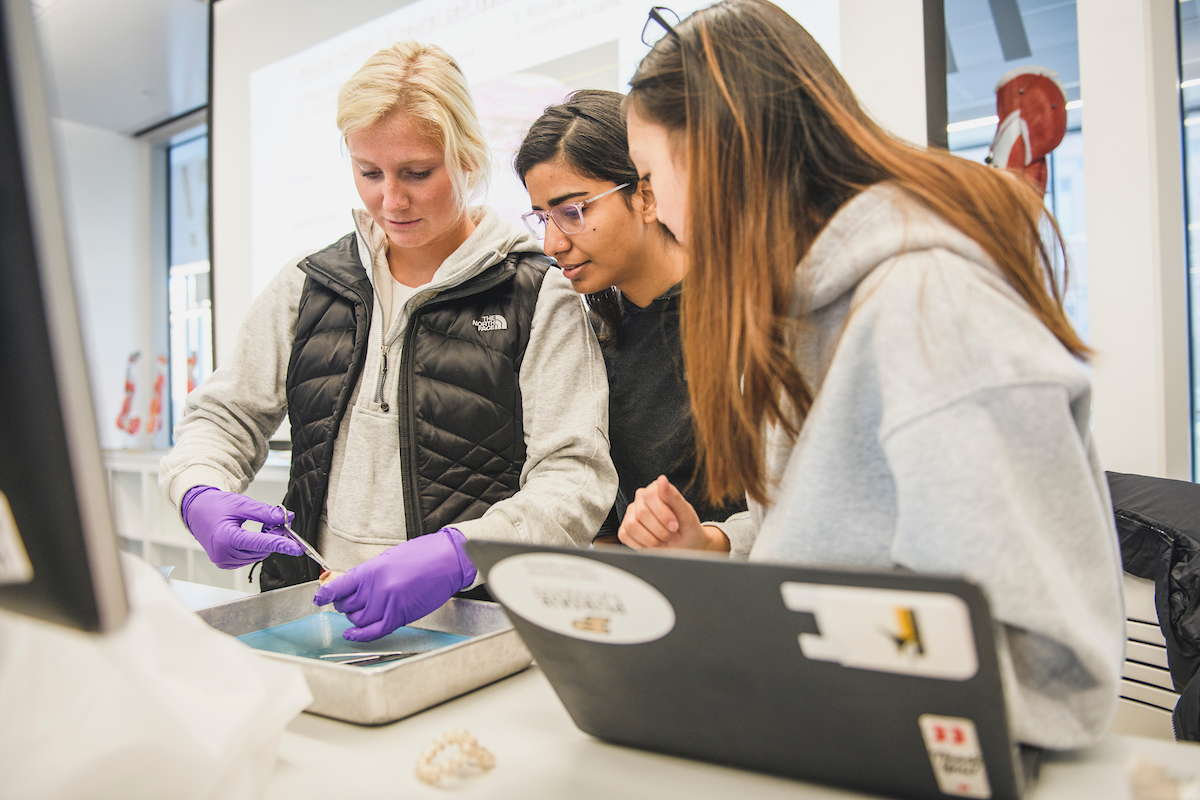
(877, 354)
(441, 379)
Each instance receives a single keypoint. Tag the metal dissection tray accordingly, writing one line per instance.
(387, 692)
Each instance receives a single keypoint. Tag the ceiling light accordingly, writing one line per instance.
(968, 124)
(983, 122)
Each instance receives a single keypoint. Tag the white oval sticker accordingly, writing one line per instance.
(581, 598)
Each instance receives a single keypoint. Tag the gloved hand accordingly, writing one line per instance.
(215, 518)
(400, 585)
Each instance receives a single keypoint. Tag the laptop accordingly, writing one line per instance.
(882, 682)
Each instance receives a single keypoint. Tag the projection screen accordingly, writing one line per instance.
(281, 178)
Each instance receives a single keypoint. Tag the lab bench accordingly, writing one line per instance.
(541, 754)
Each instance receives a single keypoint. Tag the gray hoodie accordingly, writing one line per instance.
(567, 484)
(950, 434)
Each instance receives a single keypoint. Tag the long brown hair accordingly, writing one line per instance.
(776, 143)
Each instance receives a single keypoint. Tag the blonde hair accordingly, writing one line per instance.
(423, 81)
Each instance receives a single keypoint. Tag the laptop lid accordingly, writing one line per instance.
(877, 681)
(58, 550)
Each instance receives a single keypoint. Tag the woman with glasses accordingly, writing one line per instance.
(599, 222)
(441, 378)
(877, 354)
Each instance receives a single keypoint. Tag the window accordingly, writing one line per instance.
(985, 40)
(189, 286)
(1189, 71)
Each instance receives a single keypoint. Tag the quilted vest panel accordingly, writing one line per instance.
(468, 440)
(443, 365)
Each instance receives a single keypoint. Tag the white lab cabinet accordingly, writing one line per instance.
(149, 526)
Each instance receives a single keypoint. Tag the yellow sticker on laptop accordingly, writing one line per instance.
(887, 630)
(581, 598)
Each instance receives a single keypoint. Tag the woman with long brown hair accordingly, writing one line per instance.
(877, 354)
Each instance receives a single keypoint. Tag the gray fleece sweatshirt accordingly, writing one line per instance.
(950, 434)
(568, 481)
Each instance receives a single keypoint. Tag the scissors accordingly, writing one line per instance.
(308, 548)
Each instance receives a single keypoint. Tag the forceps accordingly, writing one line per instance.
(308, 548)
(369, 659)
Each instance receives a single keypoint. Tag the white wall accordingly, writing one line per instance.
(106, 198)
(1137, 293)
(883, 60)
(239, 49)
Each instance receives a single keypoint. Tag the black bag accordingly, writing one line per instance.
(1158, 522)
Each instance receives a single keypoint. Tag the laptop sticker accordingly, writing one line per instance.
(886, 630)
(581, 598)
(953, 748)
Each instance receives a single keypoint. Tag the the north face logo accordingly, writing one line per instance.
(490, 322)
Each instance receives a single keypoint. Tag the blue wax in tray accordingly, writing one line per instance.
(321, 633)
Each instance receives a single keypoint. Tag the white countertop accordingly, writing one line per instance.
(541, 754)
(195, 596)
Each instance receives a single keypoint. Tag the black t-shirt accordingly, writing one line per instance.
(649, 412)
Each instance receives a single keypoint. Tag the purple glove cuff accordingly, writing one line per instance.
(186, 503)
(468, 569)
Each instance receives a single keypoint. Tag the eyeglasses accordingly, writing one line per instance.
(657, 16)
(567, 216)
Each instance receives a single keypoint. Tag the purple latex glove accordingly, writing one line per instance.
(400, 585)
(215, 518)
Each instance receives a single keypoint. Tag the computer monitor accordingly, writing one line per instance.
(51, 473)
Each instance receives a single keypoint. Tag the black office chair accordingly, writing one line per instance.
(1158, 522)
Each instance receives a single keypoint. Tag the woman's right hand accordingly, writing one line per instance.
(215, 518)
(660, 516)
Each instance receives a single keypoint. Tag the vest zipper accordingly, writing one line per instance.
(414, 521)
(324, 277)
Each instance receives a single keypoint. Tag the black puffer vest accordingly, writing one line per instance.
(462, 442)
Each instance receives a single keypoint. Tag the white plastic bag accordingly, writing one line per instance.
(164, 707)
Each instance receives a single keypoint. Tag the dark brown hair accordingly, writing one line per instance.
(775, 143)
